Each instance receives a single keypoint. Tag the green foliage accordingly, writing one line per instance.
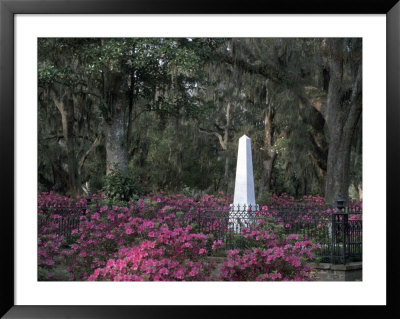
(241, 242)
(47, 74)
(265, 198)
(175, 92)
(190, 192)
(57, 273)
(119, 187)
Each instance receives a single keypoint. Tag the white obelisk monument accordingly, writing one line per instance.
(244, 197)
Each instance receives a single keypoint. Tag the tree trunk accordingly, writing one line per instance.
(116, 146)
(226, 172)
(179, 148)
(268, 152)
(65, 106)
(224, 145)
(341, 118)
(268, 164)
(305, 184)
(319, 145)
(360, 192)
(338, 177)
(73, 178)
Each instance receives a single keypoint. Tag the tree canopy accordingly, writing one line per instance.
(137, 115)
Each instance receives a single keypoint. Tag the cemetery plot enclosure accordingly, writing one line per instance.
(338, 232)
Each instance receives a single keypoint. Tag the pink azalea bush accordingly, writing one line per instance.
(103, 231)
(273, 258)
(168, 255)
(49, 248)
(159, 238)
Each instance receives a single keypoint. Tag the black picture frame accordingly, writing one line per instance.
(9, 8)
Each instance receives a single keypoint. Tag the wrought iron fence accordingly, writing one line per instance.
(346, 236)
(59, 221)
(337, 230)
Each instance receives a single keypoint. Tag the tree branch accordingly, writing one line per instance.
(317, 98)
(96, 143)
(59, 137)
(219, 136)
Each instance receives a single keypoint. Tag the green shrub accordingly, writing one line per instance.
(119, 187)
(265, 198)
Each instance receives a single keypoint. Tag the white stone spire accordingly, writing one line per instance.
(244, 187)
(244, 183)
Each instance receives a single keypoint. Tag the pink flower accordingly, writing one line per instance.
(179, 274)
(233, 252)
(110, 263)
(111, 236)
(163, 271)
(292, 237)
(193, 272)
(217, 244)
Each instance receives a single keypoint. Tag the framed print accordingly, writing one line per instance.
(165, 50)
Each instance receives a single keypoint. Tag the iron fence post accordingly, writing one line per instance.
(88, 199)
(344, 219)
(333, 235)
